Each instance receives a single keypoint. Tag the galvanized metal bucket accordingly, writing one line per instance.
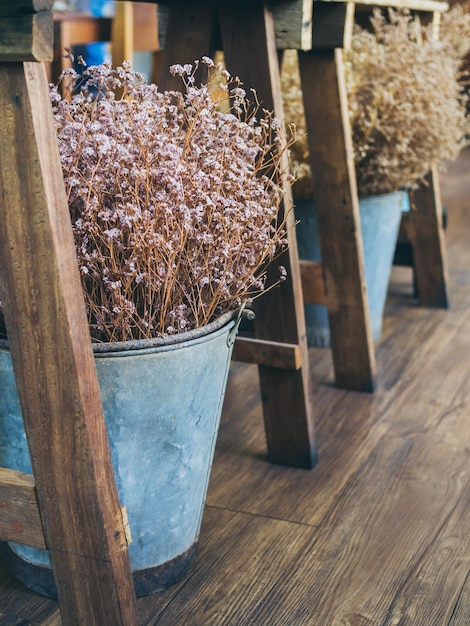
(162, 401)
(380, 218)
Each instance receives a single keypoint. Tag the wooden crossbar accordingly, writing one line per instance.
(271, 353)
(20, 520)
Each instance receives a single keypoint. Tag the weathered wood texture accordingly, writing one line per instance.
(26, 37)
(263, 352)
(332, 24)
(19, 510)
(250, 52)
(293, 24)
(53, 362)
(378, 534)
(330, 147)
(247, 37)
(423, 228)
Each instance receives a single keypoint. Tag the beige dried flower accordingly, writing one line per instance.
(407, 107)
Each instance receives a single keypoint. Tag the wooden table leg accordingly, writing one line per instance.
(330, 144)
(54, 366)
(250, 52)
(424, 231)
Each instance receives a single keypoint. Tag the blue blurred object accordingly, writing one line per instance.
(95, 53)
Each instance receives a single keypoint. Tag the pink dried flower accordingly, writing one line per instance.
(174, 204)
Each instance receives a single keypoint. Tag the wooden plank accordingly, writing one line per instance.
(313, 283)
(53, 362)
(19, 511)
(336, 199)
(329, 24)
(423, 227)
(250, 52)
(26, 38)
(263, 352)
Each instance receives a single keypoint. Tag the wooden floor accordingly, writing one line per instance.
(378, 534)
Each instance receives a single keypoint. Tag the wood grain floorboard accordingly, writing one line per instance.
(378, 534)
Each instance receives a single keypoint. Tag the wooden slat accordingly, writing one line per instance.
(19, 511)
(313, 283)
(250, 52)
(423, 227)
(145, 27)
(336, 200)
(263, 352)
(53, 362)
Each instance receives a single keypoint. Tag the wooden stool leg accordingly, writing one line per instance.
(250, 52)
(424, 230)
(336, 201)
(53, 362)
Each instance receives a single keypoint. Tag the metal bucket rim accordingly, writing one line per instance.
(379, 196)
(163, 344)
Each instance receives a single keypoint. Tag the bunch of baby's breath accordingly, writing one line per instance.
(406, 103)
(174, 204)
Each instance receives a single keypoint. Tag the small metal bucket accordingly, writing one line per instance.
(162, 401)
(380, 218)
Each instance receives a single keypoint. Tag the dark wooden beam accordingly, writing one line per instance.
(263, 352)
(249, 44)
(337, 205)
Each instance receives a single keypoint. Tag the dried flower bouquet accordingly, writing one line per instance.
(174, 203)
(406, 103)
